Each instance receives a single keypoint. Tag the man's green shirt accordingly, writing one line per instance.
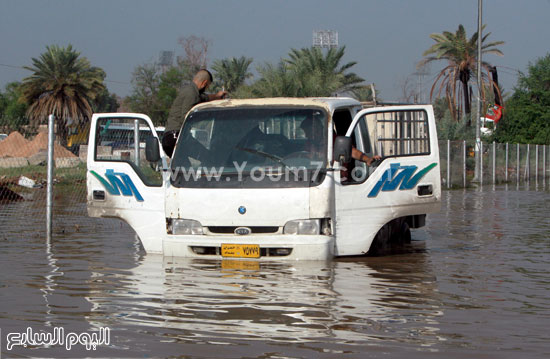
(187, 97)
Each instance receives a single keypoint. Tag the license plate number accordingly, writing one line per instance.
(241, 250)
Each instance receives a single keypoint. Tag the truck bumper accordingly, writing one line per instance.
(272, 247)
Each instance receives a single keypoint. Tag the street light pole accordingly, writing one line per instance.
(479, 84)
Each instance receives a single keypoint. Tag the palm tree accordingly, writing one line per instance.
(364, 93)
(307, 72)
(63, 84)
(232, 73)
(323, 71)
(275, 81)
(285, 80)
(461, 55)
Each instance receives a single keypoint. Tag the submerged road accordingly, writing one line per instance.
(473, 283)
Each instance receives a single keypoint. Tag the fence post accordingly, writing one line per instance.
(544, 166)
(517, 165)
(494, 162)
(528, 167)
(506, 172)
(49, 188)
(448, 164)
(536, 165)
(464, 163)
(481, 162)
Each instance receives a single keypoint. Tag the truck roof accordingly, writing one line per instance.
(329, 103)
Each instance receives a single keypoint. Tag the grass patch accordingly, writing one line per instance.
(62, 176)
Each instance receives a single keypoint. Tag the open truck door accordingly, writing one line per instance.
(121, 182)
(380, 202)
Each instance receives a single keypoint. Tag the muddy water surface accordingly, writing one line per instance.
(474, 283)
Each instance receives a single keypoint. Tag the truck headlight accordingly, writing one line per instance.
(303, 226)
(186, 227)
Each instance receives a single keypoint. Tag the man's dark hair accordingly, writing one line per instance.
(203, 74)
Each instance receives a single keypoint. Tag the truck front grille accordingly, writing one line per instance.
(254, 229)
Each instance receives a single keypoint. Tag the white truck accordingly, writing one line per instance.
(247, 180)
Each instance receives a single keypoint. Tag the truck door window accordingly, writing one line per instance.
(342, 120)
(123, 140)
(400, 133)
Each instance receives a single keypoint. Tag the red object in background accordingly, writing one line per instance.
(496, 113)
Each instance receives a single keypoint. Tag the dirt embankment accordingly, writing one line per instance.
(15, 145)
(12, 145)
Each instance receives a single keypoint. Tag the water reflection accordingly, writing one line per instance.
(214, 302)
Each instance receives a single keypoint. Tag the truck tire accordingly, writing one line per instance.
(392, 237)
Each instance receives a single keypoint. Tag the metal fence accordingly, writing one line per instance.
(500, 163)
(24, 189)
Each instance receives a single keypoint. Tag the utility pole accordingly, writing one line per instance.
(478, 153)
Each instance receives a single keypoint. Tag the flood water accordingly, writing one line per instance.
(474, 283)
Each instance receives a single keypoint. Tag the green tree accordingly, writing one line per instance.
(363, 93)
(232, 73)
(527, 115)
(307, 72)
(447, 127)
(105, 102)
(154, 91)
(145, 81)
(275, 81)
(12, 110)
(286, 80)
(63, 83)
(170, 82)
(321, 73)
(461, 56)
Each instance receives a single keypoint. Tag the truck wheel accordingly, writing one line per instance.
(391, 238)
(405, 233)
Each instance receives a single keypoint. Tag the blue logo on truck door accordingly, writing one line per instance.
(401, 176)
(117, 186)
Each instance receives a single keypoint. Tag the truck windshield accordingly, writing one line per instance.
(238, 146)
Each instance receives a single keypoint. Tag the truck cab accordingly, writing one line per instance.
(271, 179)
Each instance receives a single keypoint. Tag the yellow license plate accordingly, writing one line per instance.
(241, 250)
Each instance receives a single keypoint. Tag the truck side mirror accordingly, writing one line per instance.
(342, 149)
(152, 149)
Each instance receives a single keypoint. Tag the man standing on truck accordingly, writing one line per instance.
(188, 96)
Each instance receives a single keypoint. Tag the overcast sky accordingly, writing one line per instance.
(385, 37)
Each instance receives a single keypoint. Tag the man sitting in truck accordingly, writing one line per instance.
(313, 129)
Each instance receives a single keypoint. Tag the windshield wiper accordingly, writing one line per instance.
(265, 154)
